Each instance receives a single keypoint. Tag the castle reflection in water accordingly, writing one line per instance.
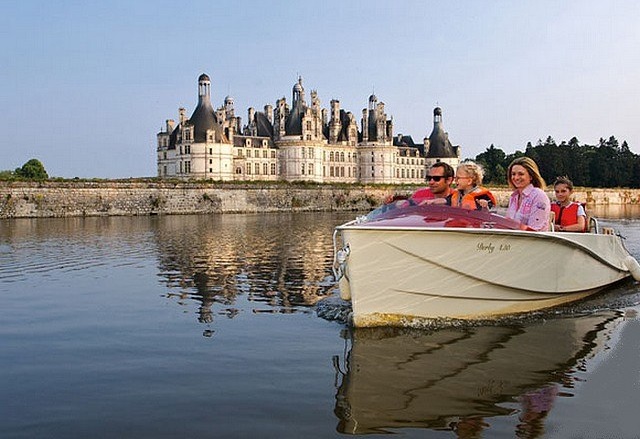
(214, 259)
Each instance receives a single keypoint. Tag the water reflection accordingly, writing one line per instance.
(278, 262)
(213, 259)
(615, 211)
(457, 379)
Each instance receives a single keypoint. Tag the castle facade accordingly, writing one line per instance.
(297, 142)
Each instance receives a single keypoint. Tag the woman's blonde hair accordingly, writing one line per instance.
(531, 167)
(474, 170)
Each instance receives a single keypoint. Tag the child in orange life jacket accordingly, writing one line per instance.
(569, 215)
(470, 195)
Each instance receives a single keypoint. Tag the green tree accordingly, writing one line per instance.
(32, 170)
(493, 162)
(577, 165)
(7, 175)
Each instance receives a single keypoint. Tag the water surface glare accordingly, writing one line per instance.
(206, 326)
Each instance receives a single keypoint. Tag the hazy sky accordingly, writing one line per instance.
(85, 86)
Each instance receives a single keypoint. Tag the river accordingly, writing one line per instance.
(207, 326)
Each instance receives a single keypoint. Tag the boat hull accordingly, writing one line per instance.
(394, 275)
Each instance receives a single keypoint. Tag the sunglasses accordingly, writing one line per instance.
(435, 177)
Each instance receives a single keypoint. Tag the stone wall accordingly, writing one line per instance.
(60, 199)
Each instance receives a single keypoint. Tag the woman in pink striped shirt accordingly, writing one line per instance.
(528, 203)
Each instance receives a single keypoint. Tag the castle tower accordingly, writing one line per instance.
(437, 146)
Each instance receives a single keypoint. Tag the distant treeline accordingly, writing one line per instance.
(607, 164)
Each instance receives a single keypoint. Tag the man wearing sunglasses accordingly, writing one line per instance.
(439, 178)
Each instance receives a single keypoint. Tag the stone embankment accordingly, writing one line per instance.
(62, 199)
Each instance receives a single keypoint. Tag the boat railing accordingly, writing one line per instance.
(593, 226)
(339, 257)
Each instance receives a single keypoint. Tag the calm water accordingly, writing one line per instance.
(206, 326)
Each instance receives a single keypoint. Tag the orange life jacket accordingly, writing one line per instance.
(469, 200)
(565, 215)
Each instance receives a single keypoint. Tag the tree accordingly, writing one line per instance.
(32, 170)
(493, 162)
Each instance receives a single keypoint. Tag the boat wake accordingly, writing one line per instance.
(625, 295)
(333, 308)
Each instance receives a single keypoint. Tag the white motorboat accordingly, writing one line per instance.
(439, 262)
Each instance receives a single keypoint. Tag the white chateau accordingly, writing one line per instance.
(297, 142)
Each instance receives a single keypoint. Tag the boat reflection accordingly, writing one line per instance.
(457, 378)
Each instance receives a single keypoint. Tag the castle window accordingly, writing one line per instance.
(248, 168)
(342, 156)
(210, 151)
(310, 153)
(331, 156)
(264, 144)
(309, 125)
(302, 168)
(187, 167)
(247, 142)
(310, 168)
(273, 154)
(264, 154)
(265, 169)
(273, 169)
(257, 166)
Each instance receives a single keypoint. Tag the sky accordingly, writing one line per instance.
(85, 86)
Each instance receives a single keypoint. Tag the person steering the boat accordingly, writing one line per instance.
(439, 178)
(469, 194)
(528, 203)
(570, 216)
